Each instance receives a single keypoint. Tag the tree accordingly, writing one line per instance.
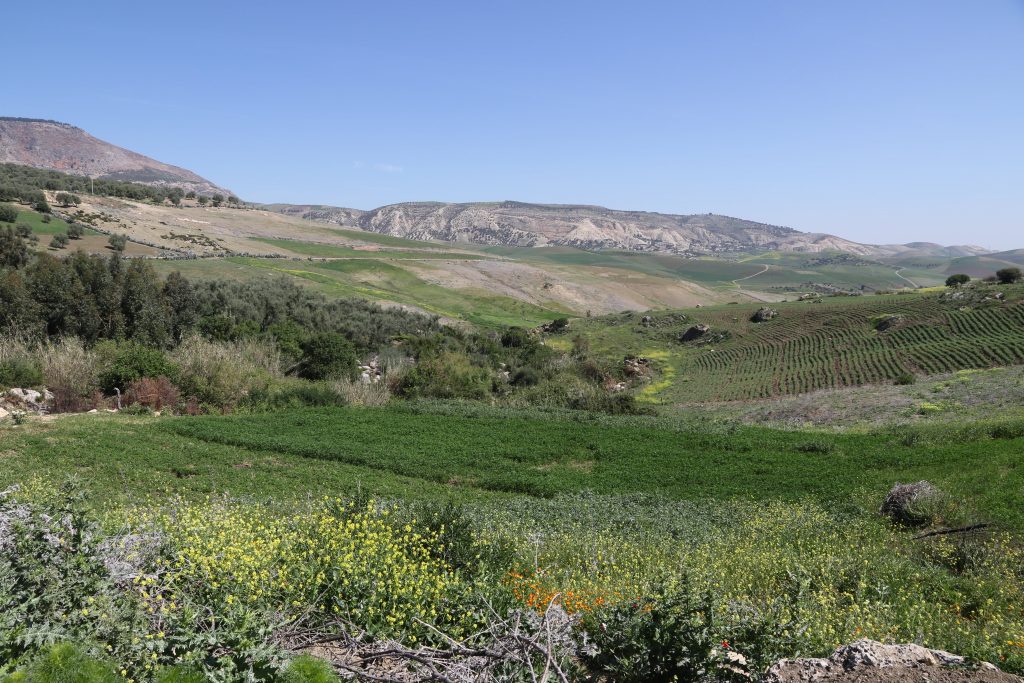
(1007, 276)
(66, 199)
(117, 242)
(181, 303)
(59, 241)
(191, 194)
(234, 200)
(957, 280)
(8, 214)
(328, 355)
(13, 250)
(218, 199)
(75, 231)
(203, 200)
(41, 206)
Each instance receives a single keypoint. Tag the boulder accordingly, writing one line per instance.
(646, 320)
(694, 332)
(868, 661)
(4, 413)
(903, 503)
(25, 395)
(887, 322)
(764, 314)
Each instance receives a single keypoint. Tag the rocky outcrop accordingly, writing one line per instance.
(868, 661)
(695, 332)
(764, 314)
(62, 147)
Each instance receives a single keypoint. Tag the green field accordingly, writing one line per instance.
(781, 525)
(479, 453)
(333, 251)
(815, 345)
(378, 280)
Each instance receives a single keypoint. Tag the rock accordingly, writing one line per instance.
(636, 366)
(887, 322)
(902, 504)
(25, 395)
(646, 321)
(93, 411)
(694, 332)
(764, 314)
(4, 413)
(868, 661)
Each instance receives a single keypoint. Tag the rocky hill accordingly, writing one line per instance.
(62, 147)
(594, 227)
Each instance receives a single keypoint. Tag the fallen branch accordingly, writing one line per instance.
(958, 530)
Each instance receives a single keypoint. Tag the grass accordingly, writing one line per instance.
(477, 453)
(335, 251)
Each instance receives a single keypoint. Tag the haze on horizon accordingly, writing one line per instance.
(879, 122)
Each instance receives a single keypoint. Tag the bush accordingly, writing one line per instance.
(957, 280)
(42, 206)
(225, 373)
(117, 242)
(75, 231)
(667, 637)
(8, 214)
(328, 355)
(905, 379)
(18, 364)
(449, 375)
(59, 241)
(153, 392)
(1008, 276)
(72, 374)
(130, 361)
(306, 669)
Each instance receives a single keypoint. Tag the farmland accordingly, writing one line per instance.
(582, 506)
(818, 344)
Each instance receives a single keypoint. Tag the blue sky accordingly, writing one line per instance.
(879, 121)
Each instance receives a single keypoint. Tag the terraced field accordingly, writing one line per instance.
(812, 346)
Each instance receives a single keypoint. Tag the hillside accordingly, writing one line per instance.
(594, 227)
(62, 147)
(815, 344)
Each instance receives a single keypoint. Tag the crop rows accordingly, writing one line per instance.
(822, 346)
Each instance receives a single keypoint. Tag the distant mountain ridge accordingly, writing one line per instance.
(511, 223)
(57, 146)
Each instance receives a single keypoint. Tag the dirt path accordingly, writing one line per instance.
(900, 276)
(764, 269)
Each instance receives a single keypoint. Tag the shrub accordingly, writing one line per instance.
(8, 214)
(306, 669)
(75, 231)
(327, 355)
(18, 364)
(130, 361)
(117, 242)
(42, 206)
(59, 241)
(957, 280)
(153, 392)
(225, 373)
(449, 375)
(666, 637)
(1008, 276)
(72, 374)
(905, 379)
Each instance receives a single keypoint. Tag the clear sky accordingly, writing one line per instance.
(878, 120)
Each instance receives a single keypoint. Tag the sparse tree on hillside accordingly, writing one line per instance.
(41, 206)
(59, 241)
(8, 214)
(234, 200)
(203, 200)
(66, 199)
(1007, 276)
(117, 242)
(957, 280)
(75, 231)
(191, 194)
(218, 199)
